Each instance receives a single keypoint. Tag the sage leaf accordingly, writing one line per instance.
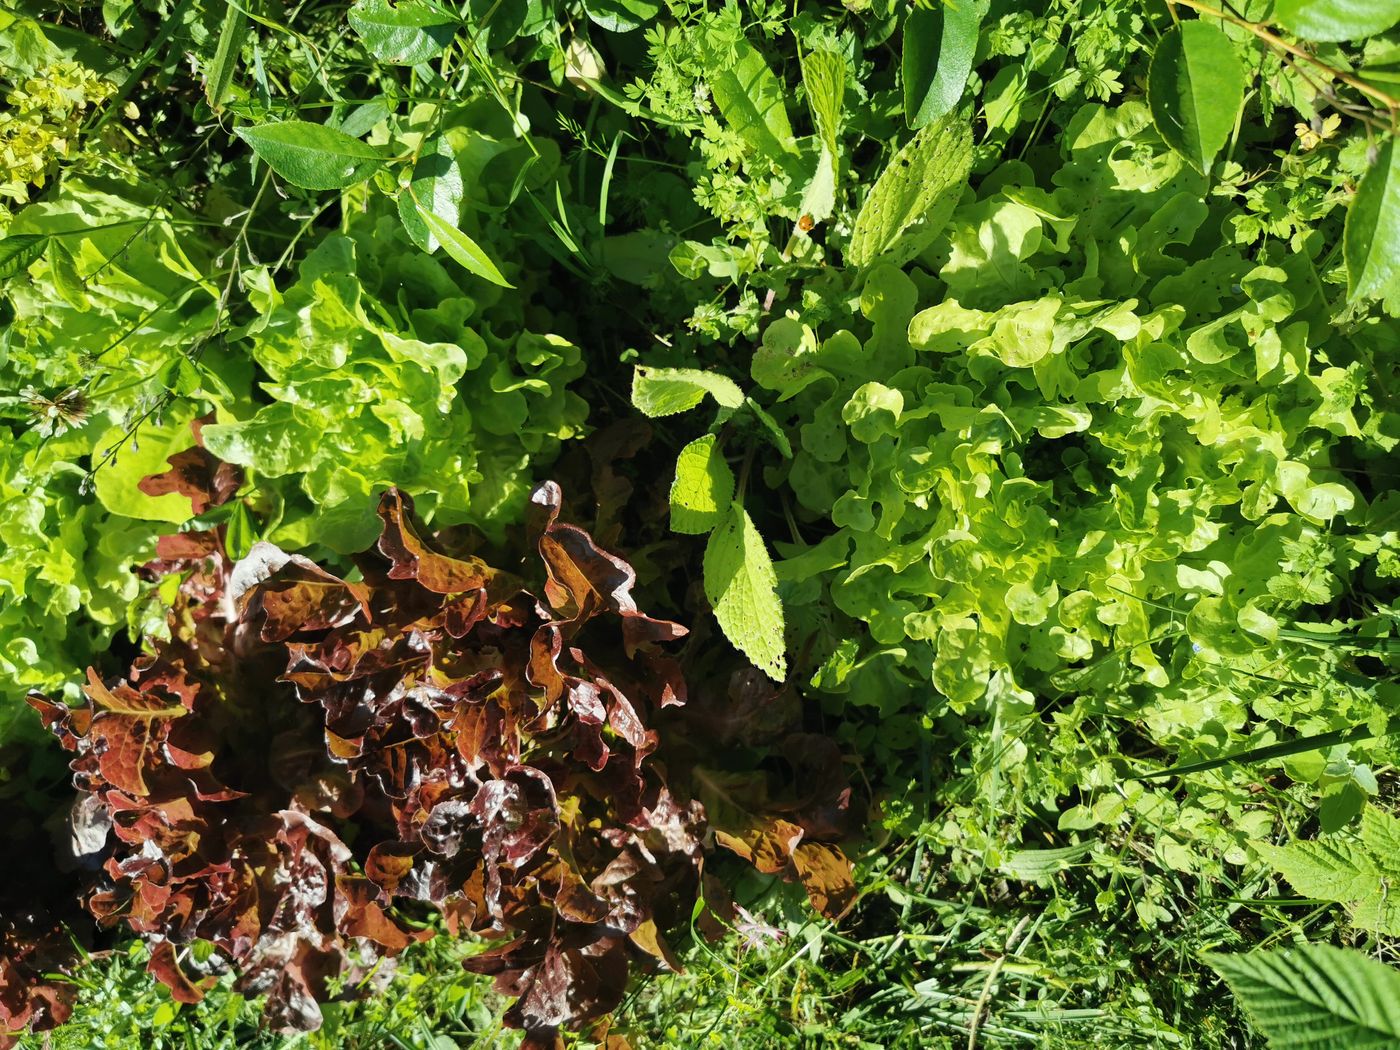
(406, 33)
(1195, 87)
(702, 489)
(218, 75)
(743, 590)
(914, 196)
(824, 77)
(666, 391)
(312, 156)
(1371, 239)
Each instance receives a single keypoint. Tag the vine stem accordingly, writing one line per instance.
(1274, 40)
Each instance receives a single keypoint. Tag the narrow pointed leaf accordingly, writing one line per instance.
(462, 248)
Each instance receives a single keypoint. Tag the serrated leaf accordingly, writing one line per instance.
(312, 156)
(1328, 870)
(938, 47)
(702, 489)
(406, 33)
(1316, 997)
(462, 248)
(19, 250)
(915, 195)
(218, 75)
(666, 391)
(824, 77)
(742, 587)
(437, 187)
(1371, 240)
(1195, 87)
(1332, 21)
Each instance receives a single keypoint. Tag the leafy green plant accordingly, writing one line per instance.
(1315, 995)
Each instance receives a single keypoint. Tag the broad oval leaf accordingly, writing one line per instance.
(666, 391)
(743, 589)
(406, 33)
(702, 489)
(312, 156)
(1195, 87)
(938, 47)
(1316, 997)
(914, 196)
(622, 16)
(1332, 21)
(462, 248)
(19, 250)
(436, 187)
(1371, 240)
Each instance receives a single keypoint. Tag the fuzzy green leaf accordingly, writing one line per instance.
(1195, 87)
(702, 489)
(743, 589)
(824, 76)
(218, 75)
(312, 156)
(666, 391)
(914, 196)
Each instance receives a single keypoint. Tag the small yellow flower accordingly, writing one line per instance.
(1313, 135)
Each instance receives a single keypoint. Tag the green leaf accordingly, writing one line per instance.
(1371, 240)
(1329, 870)
(406, 33)
(218, 75)
(1195, 87)
(19, 250)
(666, 391)
(1032, 865)
(622, 16)
(938, 47)
(914, 196)
(462, 248)
(437, 187)
(743, 589)
(66, 279)
(702, 489)
(1316, 997)
(1332, 21)
(115, 483)
(312, 156)
(241, 534)
(749, 96)
(824, 77)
